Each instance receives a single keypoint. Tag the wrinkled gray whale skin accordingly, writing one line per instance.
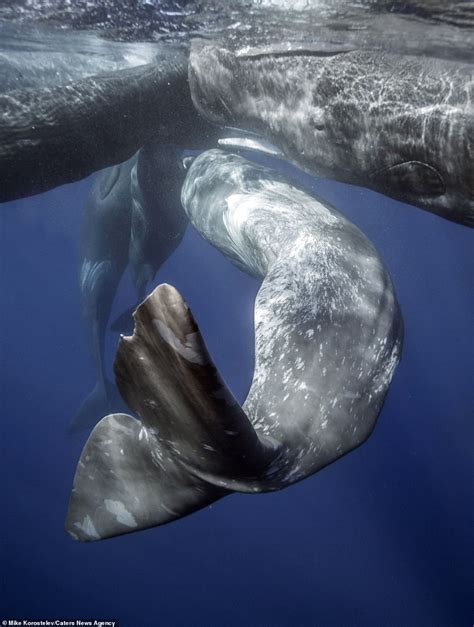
(399, 124)
(104, 244)
(328, 335)
(105, 118)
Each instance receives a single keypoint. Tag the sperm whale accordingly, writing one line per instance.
(158, 221)
(61, 133)
(400, 124)
(328, 336)
(104, 244)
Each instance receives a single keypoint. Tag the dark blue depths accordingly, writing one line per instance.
(382, 537)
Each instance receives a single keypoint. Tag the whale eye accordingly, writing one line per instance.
(317, 118)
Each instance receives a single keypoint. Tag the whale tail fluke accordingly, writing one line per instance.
(192, 445)
(125, 482)
(101, 401)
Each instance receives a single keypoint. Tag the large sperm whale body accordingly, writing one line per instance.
(105, 118)
(328, 335)
(104, 245)
(399, 124)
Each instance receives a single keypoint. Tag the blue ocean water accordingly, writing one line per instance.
(381, 537)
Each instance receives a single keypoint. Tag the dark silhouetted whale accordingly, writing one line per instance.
(58, 134)
(133, 216)
(158, 218)
(104, 244)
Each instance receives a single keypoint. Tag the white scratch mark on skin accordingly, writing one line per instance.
(143, 433)
(87, 527)
(118, 509)
(169, 510)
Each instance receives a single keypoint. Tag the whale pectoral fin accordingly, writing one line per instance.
(126, 481)
(252, 143)
(413, 178)
(166, 375)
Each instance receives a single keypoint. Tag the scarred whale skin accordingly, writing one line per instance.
(399, 124)
(328, 334)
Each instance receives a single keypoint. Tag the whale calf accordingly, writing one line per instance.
(158, 218)
(328, 336)
(158, 221)
(133, 217)
(400, 124)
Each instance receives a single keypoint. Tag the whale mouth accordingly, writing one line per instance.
(414, 178)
